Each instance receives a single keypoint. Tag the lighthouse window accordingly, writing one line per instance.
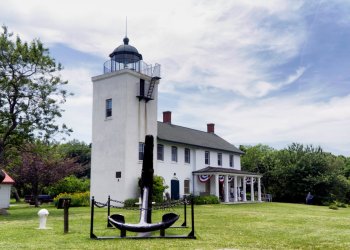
(141, 150)
(142, 87)
(108, 107)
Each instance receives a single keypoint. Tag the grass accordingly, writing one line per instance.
(244, 226)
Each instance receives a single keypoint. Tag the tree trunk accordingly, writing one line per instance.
(36, 194)
(15, 193)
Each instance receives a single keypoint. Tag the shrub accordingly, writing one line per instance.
(158, 188)
(78, 199)
(70, 184)
(341, 204)
(333, 206)
(131, 202)
(207, 199)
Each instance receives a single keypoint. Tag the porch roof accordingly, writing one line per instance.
(215, 170)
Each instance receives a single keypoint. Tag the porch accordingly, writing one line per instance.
(229, 185)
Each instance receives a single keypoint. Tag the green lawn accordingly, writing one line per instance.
(244, 226)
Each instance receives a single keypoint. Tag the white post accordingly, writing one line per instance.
(259, 189)
(217, 186)
(235, 197)
(43, 213)
(251, 188)
(226, 188)
(244, 188)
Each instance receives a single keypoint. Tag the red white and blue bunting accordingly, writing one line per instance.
(204, 178)
(248, 181)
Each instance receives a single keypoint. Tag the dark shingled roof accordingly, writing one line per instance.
(209, 170)
(174, 133)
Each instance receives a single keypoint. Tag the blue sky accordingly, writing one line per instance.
(271, 72)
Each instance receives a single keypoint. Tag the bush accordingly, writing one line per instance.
(207, 199)
(70, 184)
(158, 188)
(131, 202)
(78, 199)
(333, 206)
(341, 204)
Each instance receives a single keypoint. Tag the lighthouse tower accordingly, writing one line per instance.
(124, 111)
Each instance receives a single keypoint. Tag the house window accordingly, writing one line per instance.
(108, 107)
(174, 154)
(219, 159)
(231, 161)
(141, 150)
(160, 152)
(207, 157)
(187, 155)
(186, 186)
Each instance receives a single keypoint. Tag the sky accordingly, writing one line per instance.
(270, 72)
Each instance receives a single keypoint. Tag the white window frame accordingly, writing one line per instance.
(173, 153)
(187, 156)
(207, 157)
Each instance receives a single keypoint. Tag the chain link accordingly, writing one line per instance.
(161, 206)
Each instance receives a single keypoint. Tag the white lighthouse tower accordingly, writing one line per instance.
(124, 111)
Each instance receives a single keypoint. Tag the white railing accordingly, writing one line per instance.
(140, 66)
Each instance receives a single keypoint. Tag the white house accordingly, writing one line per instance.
(198, 162)
(125, 101)
(5, 191)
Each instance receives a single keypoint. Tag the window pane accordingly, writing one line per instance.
(141, 150)
(174, 153)
(108, 107)
(207, 157)
(231, 160)
(186, 186)
(160, 152)
(219, 159)
(187, 155)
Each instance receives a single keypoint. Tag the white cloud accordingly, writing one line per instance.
(230, 47)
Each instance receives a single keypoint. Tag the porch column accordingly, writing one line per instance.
(217, 186)
(235, 193)
(226, 188)
(251, 188)
(259, 189)
(244, 188)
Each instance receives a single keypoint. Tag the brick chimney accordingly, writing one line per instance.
(210, 128)
(167, 117)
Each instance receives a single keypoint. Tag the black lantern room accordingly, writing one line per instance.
(124, 56)
(126, 53)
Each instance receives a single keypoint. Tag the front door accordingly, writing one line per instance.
(175, 189)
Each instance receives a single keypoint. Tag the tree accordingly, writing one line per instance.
(289, 174)
(41, 165)
(259, 159)
(81, 152)
(31, 91)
